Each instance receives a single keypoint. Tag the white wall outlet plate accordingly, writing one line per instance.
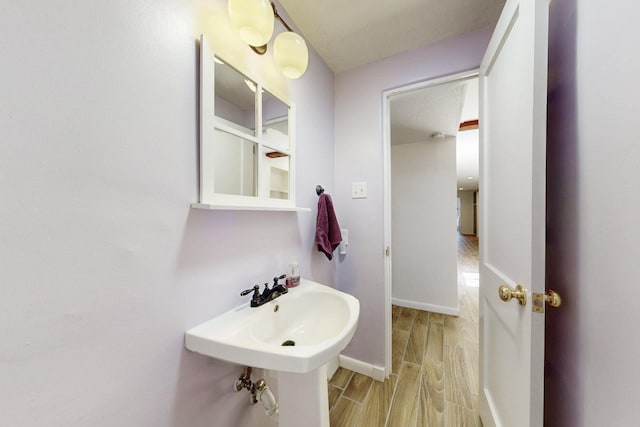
(358, 190)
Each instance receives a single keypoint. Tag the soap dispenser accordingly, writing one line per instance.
(293, 278)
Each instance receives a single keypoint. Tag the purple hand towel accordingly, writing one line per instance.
(328, 235)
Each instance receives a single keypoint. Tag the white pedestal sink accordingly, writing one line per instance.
(319, 320)
(304, 398)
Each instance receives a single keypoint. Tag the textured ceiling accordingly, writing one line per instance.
(415, 116)
(351, 33)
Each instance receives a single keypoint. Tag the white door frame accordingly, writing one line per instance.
(386, 150)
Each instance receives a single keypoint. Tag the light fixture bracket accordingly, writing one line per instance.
(260, 50)
(277, 15)
(290, 50)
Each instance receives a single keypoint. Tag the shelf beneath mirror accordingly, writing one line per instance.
(248, 208)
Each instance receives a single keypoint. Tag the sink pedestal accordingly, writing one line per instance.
(303, 399)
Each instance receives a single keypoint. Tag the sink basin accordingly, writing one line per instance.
(297, 332)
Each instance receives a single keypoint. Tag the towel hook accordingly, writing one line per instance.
(319, 190)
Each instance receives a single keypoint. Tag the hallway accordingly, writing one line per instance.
(434, 379)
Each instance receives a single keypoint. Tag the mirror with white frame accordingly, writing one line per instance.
(247, 155)
(275, 131)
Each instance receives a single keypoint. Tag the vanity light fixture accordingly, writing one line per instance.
(254, 20)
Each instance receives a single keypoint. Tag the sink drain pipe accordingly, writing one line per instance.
(259, 391)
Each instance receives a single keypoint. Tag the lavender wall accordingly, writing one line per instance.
(103, 264)
(358, 134)
(593, 174)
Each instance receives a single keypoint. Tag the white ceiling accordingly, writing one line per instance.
(351, 33)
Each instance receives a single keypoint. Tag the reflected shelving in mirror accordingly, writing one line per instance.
(275, 122)
(276, 170)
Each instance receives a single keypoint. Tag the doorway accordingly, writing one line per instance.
(456, 318)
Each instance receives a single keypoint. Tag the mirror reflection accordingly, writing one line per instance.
(275, 121)
(234, 165)
(275, 174)
(235, 97)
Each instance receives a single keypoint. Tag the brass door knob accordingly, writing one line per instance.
(519, 293)
(553, 298)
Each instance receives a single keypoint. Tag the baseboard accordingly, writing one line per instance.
(367, 369)
(452, 311)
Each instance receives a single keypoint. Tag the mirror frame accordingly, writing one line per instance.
(209, 122)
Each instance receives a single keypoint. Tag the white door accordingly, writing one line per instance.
(513, 90)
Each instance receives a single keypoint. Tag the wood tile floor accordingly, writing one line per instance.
(434, 379)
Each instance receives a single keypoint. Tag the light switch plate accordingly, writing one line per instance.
(358, 190)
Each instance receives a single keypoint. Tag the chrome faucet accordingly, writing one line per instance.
(258, 299)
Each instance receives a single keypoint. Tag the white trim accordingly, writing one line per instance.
(207, 112)
(386, 150)
(292, 151)
(452, 311)
(234, 129)
(433, 82)
(367, 369)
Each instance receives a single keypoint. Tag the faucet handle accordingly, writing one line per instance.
(275, 279)
(255, 290)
